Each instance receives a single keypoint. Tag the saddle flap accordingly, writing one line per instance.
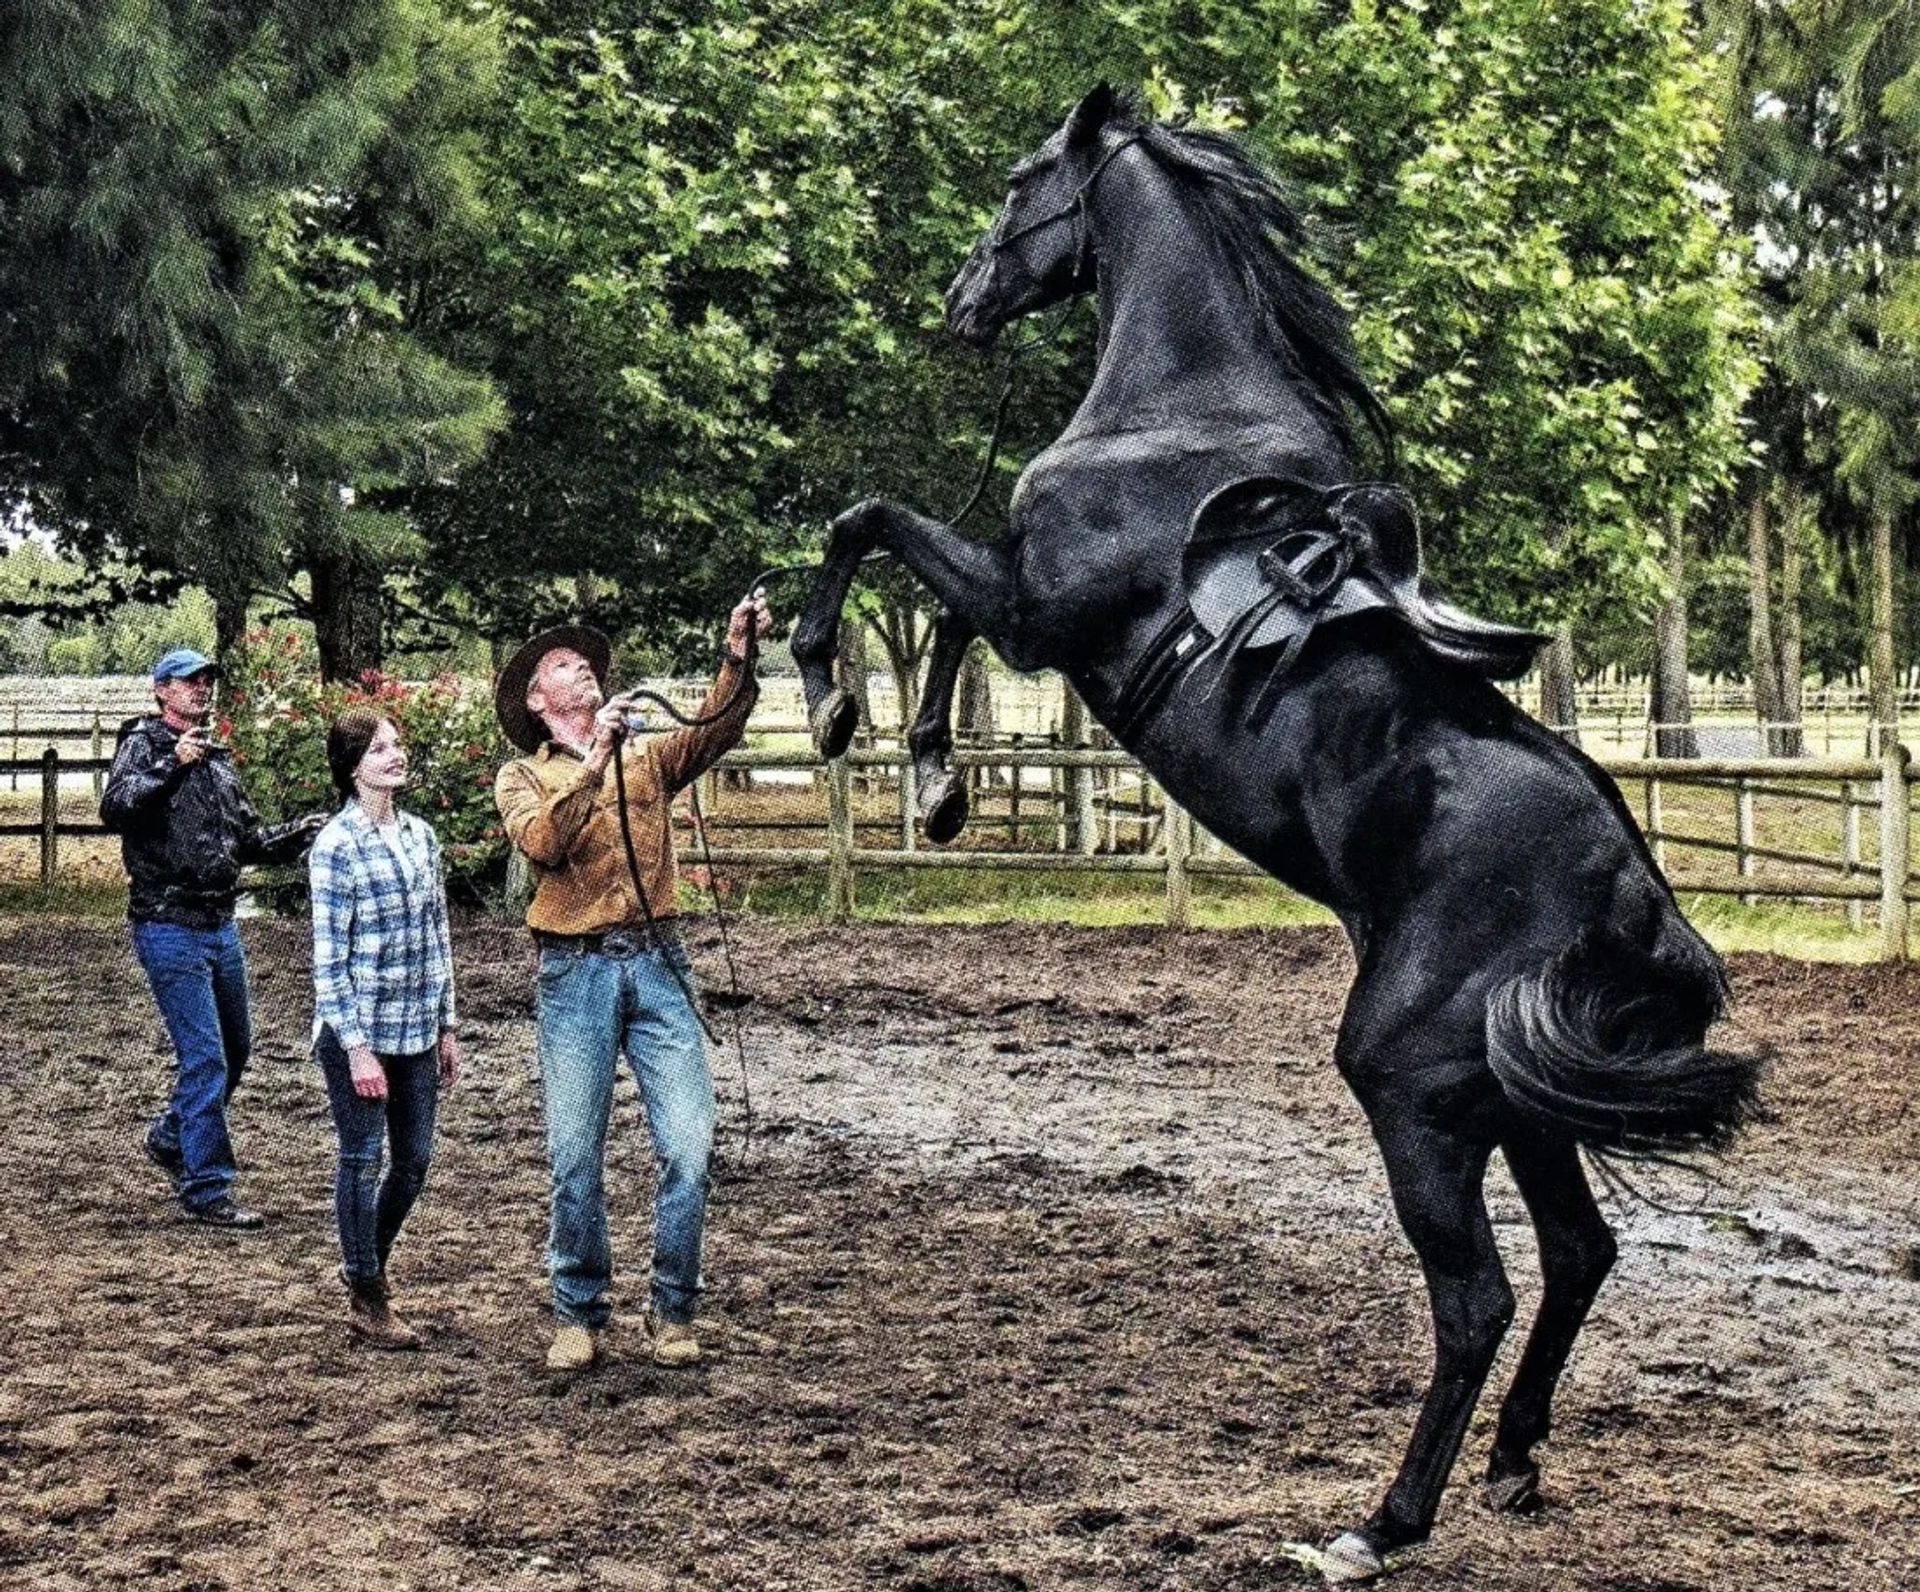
(1239, 539)
(1267, 558)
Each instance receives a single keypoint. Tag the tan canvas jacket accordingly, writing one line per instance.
(570, 831)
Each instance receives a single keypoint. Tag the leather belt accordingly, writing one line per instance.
(622, 943)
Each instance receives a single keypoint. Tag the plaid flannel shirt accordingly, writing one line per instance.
(382, 955)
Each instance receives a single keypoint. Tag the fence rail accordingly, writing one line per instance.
(1171, 848)
(1090, 794)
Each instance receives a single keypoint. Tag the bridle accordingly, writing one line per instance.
(1075, 209)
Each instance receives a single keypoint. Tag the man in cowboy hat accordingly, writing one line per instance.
(613, 975)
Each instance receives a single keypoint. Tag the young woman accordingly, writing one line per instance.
(383, 1006)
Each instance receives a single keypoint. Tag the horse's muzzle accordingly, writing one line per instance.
(968, 316)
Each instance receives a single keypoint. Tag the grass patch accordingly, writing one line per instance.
(939, 895)
(75, 899)
(1808, 932)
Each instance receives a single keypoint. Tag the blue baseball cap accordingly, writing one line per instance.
(183, 663)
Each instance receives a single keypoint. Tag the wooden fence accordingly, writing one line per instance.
(1171, 848)
(1092, 796)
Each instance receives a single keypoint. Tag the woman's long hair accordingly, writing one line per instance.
(347, 742)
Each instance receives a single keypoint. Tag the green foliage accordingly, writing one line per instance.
(202, 218)
(275, 713)
(714, 297)
(1546, 296)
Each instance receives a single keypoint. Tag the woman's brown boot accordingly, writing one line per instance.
(370, 1315)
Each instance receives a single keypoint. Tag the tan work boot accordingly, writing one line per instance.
(370, 1315)
(674, 1342)
(573, 1349)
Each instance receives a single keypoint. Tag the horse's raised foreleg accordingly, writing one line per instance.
(940, 793)
(1577, 1250)
(971, 579)
(1436, 1180)
(832, 714)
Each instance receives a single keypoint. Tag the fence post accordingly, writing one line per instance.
(1177, 830)
(98, 777)
(1656, 825)
(1856, 910)
(49, 816)
(839, 841)
(1743, 833)
(1893, 850)
(1013, 791)
(909, 796)
(16, 746)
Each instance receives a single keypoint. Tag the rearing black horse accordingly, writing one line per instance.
(1194, 555)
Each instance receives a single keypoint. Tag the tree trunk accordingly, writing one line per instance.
(850, 674)
(973, 698)
(1672, 703)
(1882, 691)
(1559, 708)
(1765, 670)
(229, 622)
(1789, 741)
(905, 637)
(850, 668)
(347, 620)
(1083, 826)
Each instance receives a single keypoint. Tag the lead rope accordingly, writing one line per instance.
(735, 998)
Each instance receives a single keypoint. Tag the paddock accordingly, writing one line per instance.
(1056, 1258)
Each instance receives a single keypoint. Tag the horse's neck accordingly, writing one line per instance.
(1179, 340)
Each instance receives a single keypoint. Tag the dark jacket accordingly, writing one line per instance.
(186, 830)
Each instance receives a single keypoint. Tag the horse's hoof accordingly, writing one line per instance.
(943, 808)
(1350, 1559)
(1515, 1495)
(834, 722)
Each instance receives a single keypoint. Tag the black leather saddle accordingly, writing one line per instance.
(1267, 559)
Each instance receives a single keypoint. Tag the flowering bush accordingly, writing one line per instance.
(275, 712)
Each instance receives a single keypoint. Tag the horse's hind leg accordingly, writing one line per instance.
(1577, 1250)
(1436, 1180)
(940, 793)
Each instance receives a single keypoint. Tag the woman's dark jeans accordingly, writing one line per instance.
(368, 1207)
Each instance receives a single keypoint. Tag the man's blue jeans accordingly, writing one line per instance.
(368, 1208)
(592, 1008)
(199, 979)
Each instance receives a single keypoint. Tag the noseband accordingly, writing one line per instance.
(1075, 208)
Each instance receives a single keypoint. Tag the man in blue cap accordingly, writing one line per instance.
(186, 830)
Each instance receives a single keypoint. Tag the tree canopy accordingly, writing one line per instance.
(599, 306)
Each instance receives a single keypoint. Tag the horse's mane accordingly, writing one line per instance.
(1242, 206)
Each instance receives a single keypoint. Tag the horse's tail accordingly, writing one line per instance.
(1608, 1039)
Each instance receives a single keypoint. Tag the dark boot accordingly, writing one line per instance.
(370, 1315)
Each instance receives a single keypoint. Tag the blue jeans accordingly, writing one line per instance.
(368, 1208)
(199, 979)
(592, 1008)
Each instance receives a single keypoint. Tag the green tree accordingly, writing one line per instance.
(1823, 155)
(204, 349)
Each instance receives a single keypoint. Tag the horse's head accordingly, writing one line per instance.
(1039, 250)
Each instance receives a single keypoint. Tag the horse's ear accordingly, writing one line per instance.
(1089, 116)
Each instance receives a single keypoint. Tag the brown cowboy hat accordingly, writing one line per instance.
(510, 690)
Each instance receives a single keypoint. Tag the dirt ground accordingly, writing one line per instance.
(1056, 1258)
